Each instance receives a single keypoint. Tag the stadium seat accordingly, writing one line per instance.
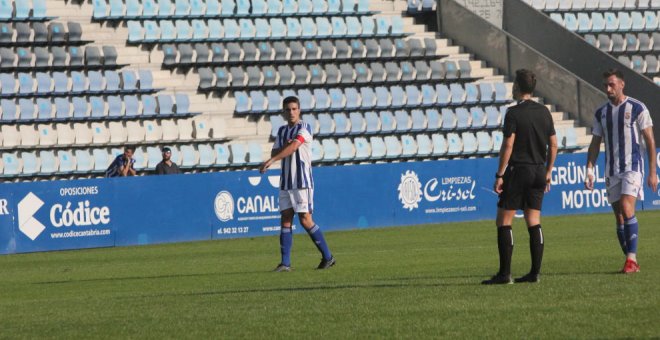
(378, 148)
(403, 121)
(408, 146)
(454, 144)
(346, 150)
(317, 151)
(31, 164)
(330, 150)
(387, 122)
(393, 147)
(424, 146)
(484, 142)
(67, 163)
(12, 164)
(342, 124)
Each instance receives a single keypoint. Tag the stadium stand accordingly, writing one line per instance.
(206, 78)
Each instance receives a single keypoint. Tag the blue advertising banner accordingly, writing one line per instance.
(57, 215)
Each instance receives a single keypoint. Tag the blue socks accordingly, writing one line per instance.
(630, 229)
(286, 241)
(317, 236)
(622, 238)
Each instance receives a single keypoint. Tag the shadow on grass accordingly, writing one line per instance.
(154, 277)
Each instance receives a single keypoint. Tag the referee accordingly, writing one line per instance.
(527, 155)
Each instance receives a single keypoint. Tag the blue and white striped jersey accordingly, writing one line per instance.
(297, 168)
(621, 126)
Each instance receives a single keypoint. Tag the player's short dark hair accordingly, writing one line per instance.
(613, 72)
(526, 80)
(129, 147)
(290, 99)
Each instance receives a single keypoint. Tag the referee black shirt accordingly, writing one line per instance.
(533, 126)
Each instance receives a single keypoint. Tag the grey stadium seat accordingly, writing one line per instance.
(185, 54)
(40, 32)
(311, 50)
(202, 53)
(249, 51)
(75, 31)
(56, 33)
(92, 56)
(109, 55)
(344, 50)
(297, 50)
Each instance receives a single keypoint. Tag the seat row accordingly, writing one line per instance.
(202, 54)
(593, 5)
(632, 43)
(38, 33)
(94, 162)
(417, 6)
(345, 74)
(57, 58)
(164, 9)
(382, 97)
(94, 107)
(25, 10)
(608, 21)
(401, 121)
(647, 64)
(376, 148)
(263, 29)
(75, 83)
(76, 135)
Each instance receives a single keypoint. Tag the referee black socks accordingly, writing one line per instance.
(536, 248)
(505, 248)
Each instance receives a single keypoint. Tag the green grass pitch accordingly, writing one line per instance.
(410, 282)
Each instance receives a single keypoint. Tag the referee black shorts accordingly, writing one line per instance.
(523, 188)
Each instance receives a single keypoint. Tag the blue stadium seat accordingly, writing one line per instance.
(115, 106)
(133, 9)
(458, 94)
(84, 162)
(12, 165)
(378, 148)
(101, 160)
(571, 138)
(132, 106)
(398, 96)
(493, 117)
(463, 119)
(484, 142)
(317, 151)
(39, 9)
(67, 163)
(342, 124)
(152, 31)
(319, 7)
(362, 148)
(254, 153)
(25, 83)
(62, 108)
(221, 155)
(182, 104)
(206, 155)
(469, 143)
(99, 12)
(135, 33)
(149, 8)
(424, 146)
(387, 121)
(304, 7)
(478, 117)
(98, 107)
(373, 122)
(454, 144)
(50, 163)
(26, 107)
(22, 9)
(403, 121)
(80, 108)
(358, 124)
(408, 146)
(497, 140)
(449, 120)
(323, 27)
(181, 7)
(413, 97)
(165, 104)
(189, 156)
(369, 98)
(330, 150)
(393, 147)
(31, 164)
(44, 109)
(275, 7)
(326, 124)
(154, 157)
(116, 9)
(167, 30)
(165, 8)
(346, 150)
(212, 7)
(433, 120)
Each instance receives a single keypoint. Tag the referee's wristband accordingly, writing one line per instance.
(498, 175)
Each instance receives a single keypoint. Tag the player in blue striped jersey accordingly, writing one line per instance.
(292, 147)
(622, 124)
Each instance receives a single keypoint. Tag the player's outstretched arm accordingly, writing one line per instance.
(652, 180)
(592, 156)
(282, 153)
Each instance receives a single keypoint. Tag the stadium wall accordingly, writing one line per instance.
(58, 215)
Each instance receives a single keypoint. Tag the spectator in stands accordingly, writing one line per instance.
(166, 166)
(527, 156)
(620, 122)
(123, 164)
(293, 145)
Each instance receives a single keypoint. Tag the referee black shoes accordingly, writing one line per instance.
(498, 279)
(529, 278)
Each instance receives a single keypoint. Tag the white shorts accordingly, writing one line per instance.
(627, 183)
(301, 200)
